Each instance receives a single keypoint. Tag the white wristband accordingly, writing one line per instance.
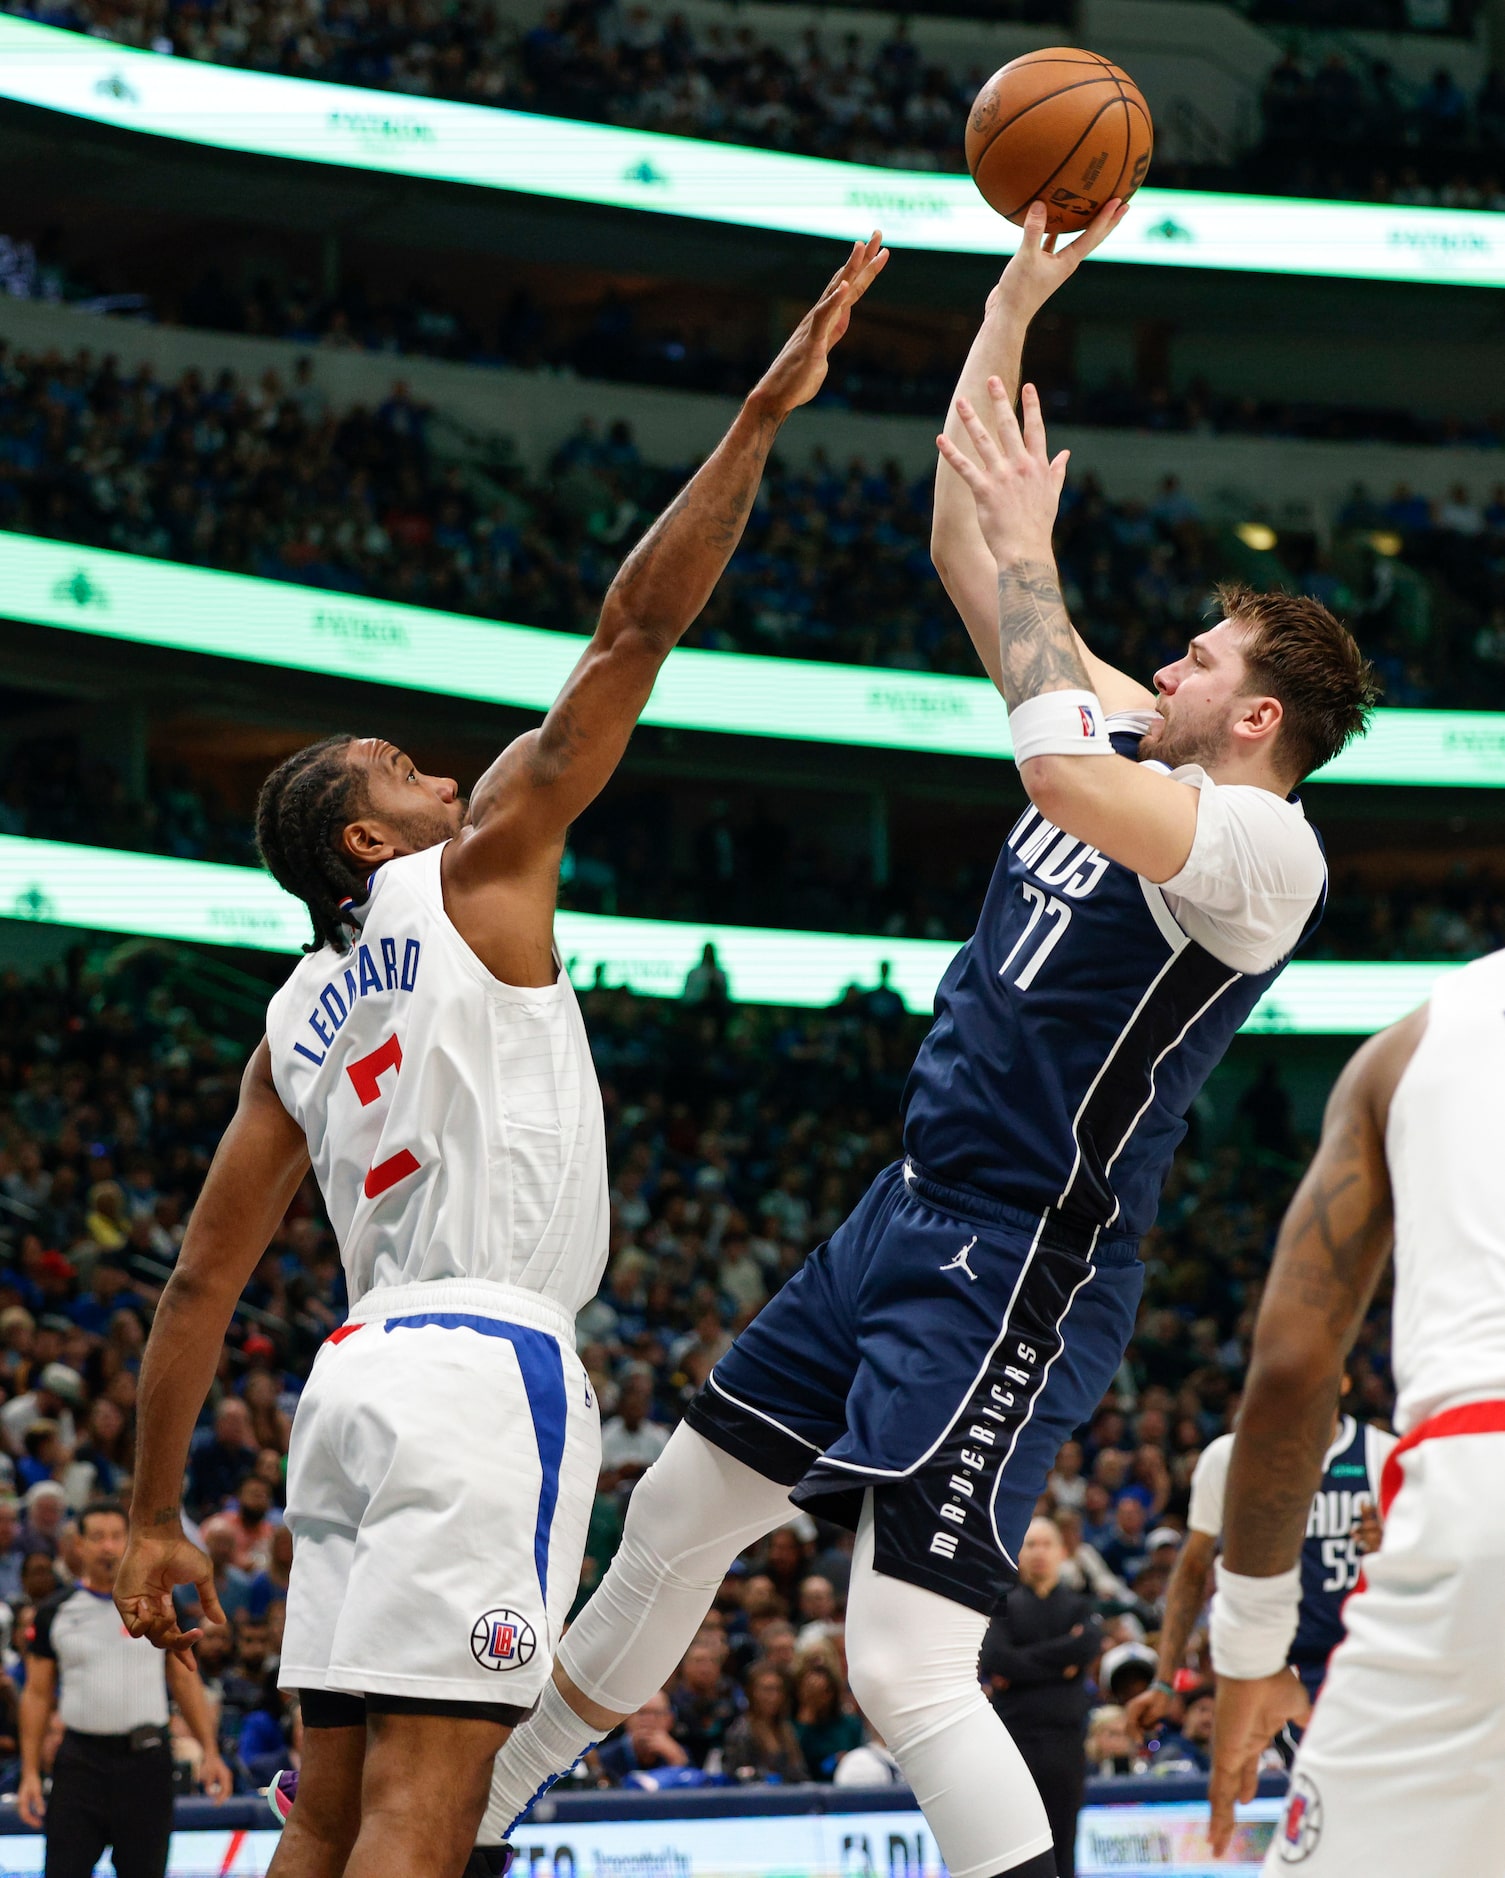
(1253, 1622)
(1059, 723)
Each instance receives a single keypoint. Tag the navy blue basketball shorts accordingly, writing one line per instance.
(937, 1349)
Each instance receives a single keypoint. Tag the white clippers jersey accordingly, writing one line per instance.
(454, 1122)
(1446, 1147)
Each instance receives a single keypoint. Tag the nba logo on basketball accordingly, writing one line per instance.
(502, 1639)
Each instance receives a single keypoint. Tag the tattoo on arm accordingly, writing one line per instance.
(1184, 1599)
(1039, 648)
(556, 747)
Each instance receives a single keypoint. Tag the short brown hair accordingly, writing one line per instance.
(1299, 652)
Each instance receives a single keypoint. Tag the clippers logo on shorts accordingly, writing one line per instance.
(1303, 1821)
(502, 1640)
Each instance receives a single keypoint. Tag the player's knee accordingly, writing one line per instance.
(903, 1695)
(665, 1536)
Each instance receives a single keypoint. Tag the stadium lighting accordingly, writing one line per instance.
(101, 890)
(266, 114)
(1257, 535)
(271, 622)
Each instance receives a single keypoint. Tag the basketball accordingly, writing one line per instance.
(1063, 126)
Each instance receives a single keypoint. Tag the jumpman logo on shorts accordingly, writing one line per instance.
(959, 1263)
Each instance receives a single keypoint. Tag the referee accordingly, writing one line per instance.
(112, 1779)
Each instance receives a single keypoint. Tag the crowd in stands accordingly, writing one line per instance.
(1347, 125)
(738, 1138)
(617, 62)
(266, 479)
(615, 338)
(1377, 16)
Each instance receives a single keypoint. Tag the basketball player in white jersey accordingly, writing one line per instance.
(427, 1057)
(1402, 1769)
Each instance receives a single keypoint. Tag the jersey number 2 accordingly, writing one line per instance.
(366, 1075)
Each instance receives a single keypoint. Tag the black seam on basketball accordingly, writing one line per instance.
(1128, 163)
(1149, 131)
(1128, 144)
(1034, 104)
(1087, 128)
(1138, 104)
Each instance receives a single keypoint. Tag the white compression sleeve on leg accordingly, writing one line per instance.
(691, 1514)
(912, 1661)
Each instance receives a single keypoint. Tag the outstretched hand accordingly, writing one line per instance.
(800, 369)
(1248, 1716)
(1038, 266)
(152, 1569)
(1015, 481)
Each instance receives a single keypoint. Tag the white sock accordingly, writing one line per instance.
(538, 1752)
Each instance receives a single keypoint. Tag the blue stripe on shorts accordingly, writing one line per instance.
(542, 1367)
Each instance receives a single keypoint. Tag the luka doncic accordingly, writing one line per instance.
(916, 1377)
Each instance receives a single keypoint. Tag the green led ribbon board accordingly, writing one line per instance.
(270, 622)
(269, 115)
(101, 890)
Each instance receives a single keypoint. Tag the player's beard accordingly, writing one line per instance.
(426, 829)
(1178, 744)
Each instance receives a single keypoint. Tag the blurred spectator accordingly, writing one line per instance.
(631, 1441)
(12, 1550)
(825, 1729)
(249, 1525)
(220, 1457)
(762, 1744)
(1112, 1746)
(59, 1390)
(1042, 1638)
(1187, 1748)
(645, 1742)
(707, 983)
(1123, 1550)
(46, 1506)
(1127, 1670)
(705, 1701)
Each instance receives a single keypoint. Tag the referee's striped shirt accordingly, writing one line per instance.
(109, 1682)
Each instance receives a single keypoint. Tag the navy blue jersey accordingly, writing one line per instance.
(1330, 1561)
(1072, 1033)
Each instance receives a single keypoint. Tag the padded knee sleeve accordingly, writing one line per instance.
(689, 1517)
(912, 1664)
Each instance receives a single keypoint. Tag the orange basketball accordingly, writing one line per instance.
(1063, 126)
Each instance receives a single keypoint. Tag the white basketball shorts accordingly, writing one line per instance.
(443, 1462)
(1402, 1771)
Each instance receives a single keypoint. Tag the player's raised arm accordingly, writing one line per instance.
(525, 802)
(962, 558)
(1333, 1245)
(260, 1160)
(1136, 815)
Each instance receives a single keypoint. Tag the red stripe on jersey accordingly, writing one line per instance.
(1473, 1418)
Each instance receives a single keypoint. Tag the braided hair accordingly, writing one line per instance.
(302, 812)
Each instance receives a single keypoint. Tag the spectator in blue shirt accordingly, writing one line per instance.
(220, 1458)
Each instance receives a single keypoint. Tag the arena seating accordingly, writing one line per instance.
(266, 479)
